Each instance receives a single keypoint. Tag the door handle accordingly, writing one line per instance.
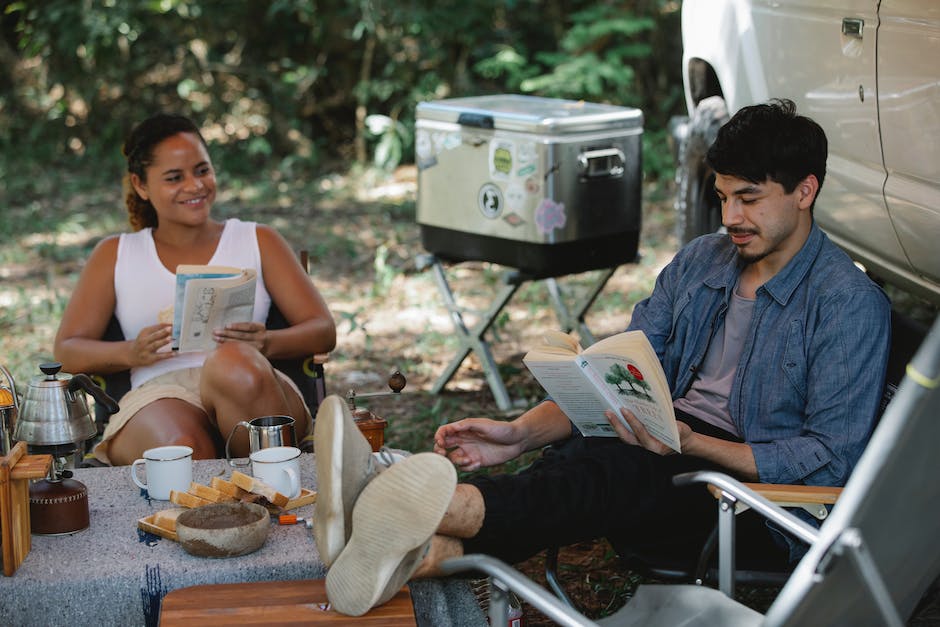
(853, 27)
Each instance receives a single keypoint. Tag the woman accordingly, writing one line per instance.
(187, 398)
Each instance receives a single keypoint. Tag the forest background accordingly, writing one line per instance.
(308, 107)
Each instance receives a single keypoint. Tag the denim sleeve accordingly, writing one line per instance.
(654, 314)
(844, 354)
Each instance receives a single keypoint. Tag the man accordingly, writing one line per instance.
(774, 345)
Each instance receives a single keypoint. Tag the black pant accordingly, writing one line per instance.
(588, 488)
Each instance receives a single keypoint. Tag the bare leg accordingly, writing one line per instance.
(238, 383)
(442, 548)
(463, 519)
(464, 515)
(161, 423)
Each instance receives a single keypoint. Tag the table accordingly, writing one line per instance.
(111, 574)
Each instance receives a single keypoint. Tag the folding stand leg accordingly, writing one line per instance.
(726, 544)
(570, 321)
(472, 339)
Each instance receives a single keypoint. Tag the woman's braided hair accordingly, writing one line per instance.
(138, 149)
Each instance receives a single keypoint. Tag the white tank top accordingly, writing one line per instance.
(143, 286)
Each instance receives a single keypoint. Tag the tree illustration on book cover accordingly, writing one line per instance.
(630, 376)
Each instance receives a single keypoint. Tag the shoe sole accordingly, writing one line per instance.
(396, 514)
(341, 452)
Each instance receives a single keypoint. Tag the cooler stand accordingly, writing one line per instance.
(474, 340)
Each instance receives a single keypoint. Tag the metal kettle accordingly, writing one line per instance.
(54, 410)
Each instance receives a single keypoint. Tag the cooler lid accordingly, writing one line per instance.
(530, 114)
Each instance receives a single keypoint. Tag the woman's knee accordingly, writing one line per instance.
(235, 367)
(165, 422)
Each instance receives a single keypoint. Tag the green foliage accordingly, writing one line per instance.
(594, 57)
(306, 81)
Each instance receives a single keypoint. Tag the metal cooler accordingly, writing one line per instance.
(551, 187)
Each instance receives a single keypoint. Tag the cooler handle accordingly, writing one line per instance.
(479, 120)
(601, 163)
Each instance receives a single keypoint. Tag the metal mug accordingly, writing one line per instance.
(263, 432)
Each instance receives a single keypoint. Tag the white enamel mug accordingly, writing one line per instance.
(279, 467)
(166, 468)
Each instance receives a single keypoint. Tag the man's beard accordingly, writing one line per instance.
(745, 256)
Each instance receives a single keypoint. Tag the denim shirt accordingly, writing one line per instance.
(811, 374)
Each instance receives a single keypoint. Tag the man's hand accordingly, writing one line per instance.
(473, 443)
(642, 437)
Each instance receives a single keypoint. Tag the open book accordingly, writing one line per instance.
(208, 298)
(619, 371)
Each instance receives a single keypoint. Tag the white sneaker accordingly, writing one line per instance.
(393, 522)
(345, 464)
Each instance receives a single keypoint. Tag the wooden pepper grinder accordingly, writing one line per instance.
(372, 426)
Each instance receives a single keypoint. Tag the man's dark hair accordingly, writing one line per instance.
(770, 141)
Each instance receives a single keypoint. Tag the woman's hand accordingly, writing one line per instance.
(152, 344)
(473, 443)
(641, 437)
(253, 333)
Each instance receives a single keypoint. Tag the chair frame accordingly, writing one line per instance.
(907, 336)
(842, 577)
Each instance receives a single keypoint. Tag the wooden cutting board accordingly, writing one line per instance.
(299, 602)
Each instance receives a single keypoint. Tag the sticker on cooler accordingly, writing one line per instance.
(550, 215)
(490, 200)
(515, 197)
(502, 155)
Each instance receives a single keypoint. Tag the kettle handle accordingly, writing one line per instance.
(9, 377)
(84, 382)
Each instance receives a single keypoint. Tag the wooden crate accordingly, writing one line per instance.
(16, 469)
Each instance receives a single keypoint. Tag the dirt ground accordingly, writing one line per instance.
(365, 250)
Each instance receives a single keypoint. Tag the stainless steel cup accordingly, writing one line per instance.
(263, 432)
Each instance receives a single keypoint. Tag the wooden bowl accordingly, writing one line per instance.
(223, 529)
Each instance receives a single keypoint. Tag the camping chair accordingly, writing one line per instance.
(868, 564)
(906, 336)
(305, 372)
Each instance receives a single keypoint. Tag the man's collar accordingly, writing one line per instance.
(785, 282)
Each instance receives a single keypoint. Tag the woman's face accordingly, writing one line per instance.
(180, 183)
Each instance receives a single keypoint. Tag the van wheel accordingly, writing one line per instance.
(698, 210)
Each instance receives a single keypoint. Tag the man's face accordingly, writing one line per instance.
(762, 219)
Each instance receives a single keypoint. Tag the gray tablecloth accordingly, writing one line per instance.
(112, 574)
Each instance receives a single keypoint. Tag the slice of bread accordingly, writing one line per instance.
(186, 499)
(210, 494)
(256, 486)
(166, 518)
(229, 488)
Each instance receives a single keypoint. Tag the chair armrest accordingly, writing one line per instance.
(811, 498)
(784, 493)
(739, 492)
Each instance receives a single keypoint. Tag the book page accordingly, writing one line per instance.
(189, 272)
(620, 371)
(636, 385)
(210, 303)
(581, 402)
